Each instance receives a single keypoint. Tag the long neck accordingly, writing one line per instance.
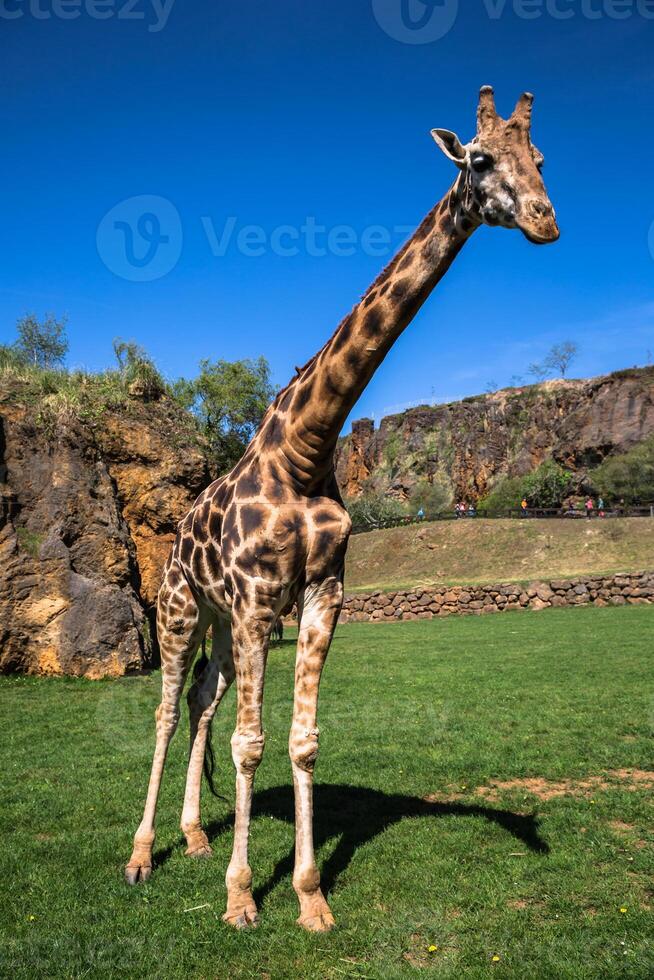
(306, 419)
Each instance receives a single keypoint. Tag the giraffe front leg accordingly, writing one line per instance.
(322, 605)
(250, 640)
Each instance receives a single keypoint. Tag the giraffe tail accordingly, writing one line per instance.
(209, 763)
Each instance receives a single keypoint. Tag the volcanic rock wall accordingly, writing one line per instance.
(88, 511)
(472, 443)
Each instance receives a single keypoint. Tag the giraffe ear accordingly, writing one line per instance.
(451, 146)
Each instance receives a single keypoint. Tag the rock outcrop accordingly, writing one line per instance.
(87, 514)
(90, 501)
(468, 445)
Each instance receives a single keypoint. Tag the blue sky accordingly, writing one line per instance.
(252, 120)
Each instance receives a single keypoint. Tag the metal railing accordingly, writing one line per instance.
(541, 513)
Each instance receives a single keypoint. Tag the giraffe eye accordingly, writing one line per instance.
(481, 162)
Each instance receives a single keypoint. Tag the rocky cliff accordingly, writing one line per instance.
(88, 510)
(468, 445)
(90, 500)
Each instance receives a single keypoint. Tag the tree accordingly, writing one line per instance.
(628, 476)
(372, 510)
(229, 398)
(548, 486)
(557, 361)
(539, 371)
(561, 356)
(43, 345)
(434, 498)
(545, 487)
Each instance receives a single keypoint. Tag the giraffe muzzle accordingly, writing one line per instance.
(538, 222)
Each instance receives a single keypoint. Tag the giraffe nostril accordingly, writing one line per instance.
(540, 209)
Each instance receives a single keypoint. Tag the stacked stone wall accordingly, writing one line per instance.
(633, 589)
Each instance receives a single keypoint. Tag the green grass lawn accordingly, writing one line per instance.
(508, 884)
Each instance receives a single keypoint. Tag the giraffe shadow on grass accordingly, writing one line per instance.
(356, 815)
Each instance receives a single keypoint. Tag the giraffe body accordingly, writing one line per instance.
(274, 531)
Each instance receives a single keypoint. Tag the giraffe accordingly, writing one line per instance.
(274, 530)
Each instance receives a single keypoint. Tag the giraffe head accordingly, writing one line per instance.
(502, 179)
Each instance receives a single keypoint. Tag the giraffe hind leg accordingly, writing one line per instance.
(181, 625)
(212, 679)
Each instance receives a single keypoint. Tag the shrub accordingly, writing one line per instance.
(138, 370)
(505, 495)
(11, 358)
(628, 476)
(392, 453)
(374, 510)
(548, 486)
(434, 498)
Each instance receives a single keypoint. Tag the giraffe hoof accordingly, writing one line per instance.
(245, 919)
(137, 872)
(198, 844)
(317, 923)
(199, 851)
